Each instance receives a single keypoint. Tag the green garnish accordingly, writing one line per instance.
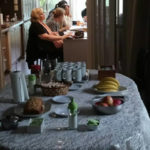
(36, 122)
(93, 122)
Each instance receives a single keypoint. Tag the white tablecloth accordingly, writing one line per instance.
(114, 129)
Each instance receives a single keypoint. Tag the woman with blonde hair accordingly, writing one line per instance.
(42, 42)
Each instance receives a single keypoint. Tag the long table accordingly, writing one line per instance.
(132, 122)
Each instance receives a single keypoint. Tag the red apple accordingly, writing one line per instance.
(116, 102)
(98, 103)
(104, 104)
(108, 100)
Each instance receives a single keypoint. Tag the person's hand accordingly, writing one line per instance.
(67, 28)
(67, 35)
(58, 44)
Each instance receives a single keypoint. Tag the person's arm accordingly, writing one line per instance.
(64, 28)
(51, 37)
(55, 33)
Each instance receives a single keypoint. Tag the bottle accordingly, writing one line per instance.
(31, 83)
(72, 117)
(15, 16)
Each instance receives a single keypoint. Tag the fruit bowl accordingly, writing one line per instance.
(107, 107)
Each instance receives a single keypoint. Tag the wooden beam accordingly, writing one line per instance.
(1, 64)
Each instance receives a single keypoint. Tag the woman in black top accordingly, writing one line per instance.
(42, 42)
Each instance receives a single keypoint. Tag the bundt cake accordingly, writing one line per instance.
(34, 106)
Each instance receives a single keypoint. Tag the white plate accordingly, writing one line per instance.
(62, 99)
(75, 87)
(19, 111)
(63, 112)
(122, 90)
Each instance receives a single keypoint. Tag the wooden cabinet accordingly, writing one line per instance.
(13, 39)
(22, 8)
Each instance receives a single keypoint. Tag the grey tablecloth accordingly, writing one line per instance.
(133, 120)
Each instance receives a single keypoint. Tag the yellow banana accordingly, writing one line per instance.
(111, 79)
(108, 83)
(107, 87)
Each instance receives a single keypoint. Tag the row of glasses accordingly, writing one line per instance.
(70, 71)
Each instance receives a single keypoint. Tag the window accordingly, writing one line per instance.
(51, 4)
(76, 7)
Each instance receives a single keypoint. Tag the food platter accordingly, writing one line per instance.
(19, 111)
(121, 91)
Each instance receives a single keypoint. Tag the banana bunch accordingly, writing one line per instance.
(108, 84)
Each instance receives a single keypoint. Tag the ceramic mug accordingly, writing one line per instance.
(67, 75)
(83, 66)
(77, 75)
(58, 74)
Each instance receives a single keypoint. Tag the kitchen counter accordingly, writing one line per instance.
(11, 25)
(76, 49)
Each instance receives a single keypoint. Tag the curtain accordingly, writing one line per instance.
(135, 26)
(101, 30)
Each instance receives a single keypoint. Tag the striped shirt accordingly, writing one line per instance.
(52, 24)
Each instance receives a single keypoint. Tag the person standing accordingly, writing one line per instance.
(84, 13)
(42, 42)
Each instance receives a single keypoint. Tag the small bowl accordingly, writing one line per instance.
(107, 110)
(35, 128)
(92, 127)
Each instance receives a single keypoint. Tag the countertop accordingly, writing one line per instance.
(11, 25)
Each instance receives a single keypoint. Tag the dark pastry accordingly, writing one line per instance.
(34, 106)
